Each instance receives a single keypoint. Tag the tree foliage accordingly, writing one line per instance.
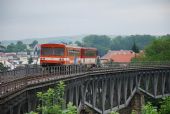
(78, 43)
(163, 109)
(126, 42)
(104, 43)
(30, 60)
(2, 48)
(52, 101)
(32, 112)
(18, 47)
(11, 48)
(159, 50)
(149, 109)
(2, 67)
(33, 44)
(113, 112)
(135, 48)
(165, 106)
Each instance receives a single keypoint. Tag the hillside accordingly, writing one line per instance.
(65, 39)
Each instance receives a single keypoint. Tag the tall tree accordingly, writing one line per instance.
(11, 48)
(159, 50)
(78, 43)
(70, 42)
(33, 44)
(2, 67)
(52, 101)
(102, 43)
(20, 46)
(165, 106)
(2, 48)
(30, 60)
(135, 48)
(126, 42)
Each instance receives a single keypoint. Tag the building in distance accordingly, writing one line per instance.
(119, 56)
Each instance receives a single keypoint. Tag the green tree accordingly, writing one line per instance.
(2, 48)
(28, 51)
(133, 112)
(70, 42)
(20, 46)
(165, 106)
(70, 109)
(33, 44)
(32, 112)
(11, 48)
(2, 67)
(30, 60)
(102, 43)
(149, 109)
(126, 42)
(16, 48)
(52, 101)
(113, 112)
(135, 48)
(78, 43)
(159, 50)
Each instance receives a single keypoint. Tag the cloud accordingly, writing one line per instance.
(38, 18)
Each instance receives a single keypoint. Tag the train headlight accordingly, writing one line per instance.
(42, 58)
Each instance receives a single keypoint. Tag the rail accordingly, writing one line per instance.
(15, 80)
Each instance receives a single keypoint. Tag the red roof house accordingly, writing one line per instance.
(119, 56)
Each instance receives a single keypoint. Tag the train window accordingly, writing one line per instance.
(46, 51)
(74, 52)
(52, 51)
(59, 51)
(90, 53)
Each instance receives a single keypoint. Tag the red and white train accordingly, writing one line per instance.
(61, 54)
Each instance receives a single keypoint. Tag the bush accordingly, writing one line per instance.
(113, 112)
(165, 106)
(149, 109)
(52, 101)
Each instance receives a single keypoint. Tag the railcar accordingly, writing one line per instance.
(61, 54)
(88, 55)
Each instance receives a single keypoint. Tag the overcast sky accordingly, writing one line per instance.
(22, 19)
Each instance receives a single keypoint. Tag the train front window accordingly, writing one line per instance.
(59, 51)
(46, 51)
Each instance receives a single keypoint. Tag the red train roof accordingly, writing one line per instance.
(69, 46)
(73, 46)
(86, 48)
(52, 45)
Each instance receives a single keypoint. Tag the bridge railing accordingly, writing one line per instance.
(138, 64)
(19, 78)
(70, 69)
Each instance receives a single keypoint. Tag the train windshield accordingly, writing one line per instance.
(90, 53)
(46, 51)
